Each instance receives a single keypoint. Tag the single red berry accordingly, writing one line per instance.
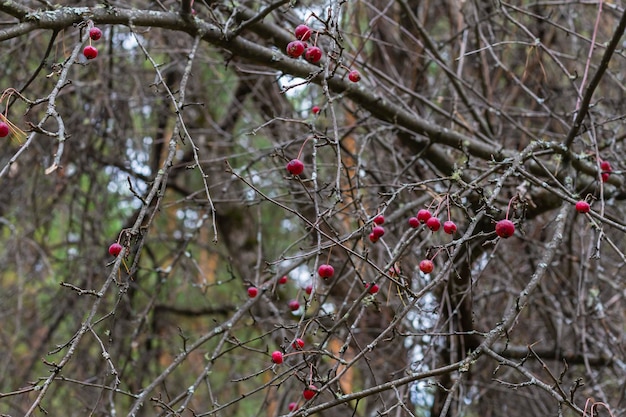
(606, 166)
(295, 49)
(449, 227)
(354, 76)
(505, 228)
(90, 52)
(298, 343)
(308, 289)
(378, 231)
(309, 392)
(423, 215)
(293, 406)
(583, 207)
(95, 33)
(283, 279)
(313, 54)
(414, 223)
(433, 224)
(605, 176)
(4, 130)
(303, 32)
(380, 219)
(277, 357)
(372, 289)
(294, 305)
(326, 271)
(315, 109)
(295, 167)
(252, 292)
(373, 238)
(115, 249)
(427, 266)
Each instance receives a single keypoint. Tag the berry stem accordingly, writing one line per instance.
(302, 147)
(508, 208)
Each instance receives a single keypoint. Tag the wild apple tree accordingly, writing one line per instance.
(363, 208)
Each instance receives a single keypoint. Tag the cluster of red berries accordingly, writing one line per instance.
(91, 52)
(606, 169)
(378, 230)
(299, 47)
(432, 222)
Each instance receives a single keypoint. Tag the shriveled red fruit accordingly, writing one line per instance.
(90, 52)
(423, 215)
(505, 228)
(354, 76)
(582, 207)
(252, 292)
(295, 49)
(303, 32)
(277, 357)
(308, 289)
(433, 224)
(4, 130)
(294, 305)
(283, 279)
(309, 392)
(115, 249)
(394, 271)
(372, 289)
(292, 406)
(380, 219)
(95, 33)
(414, 222)
(313, 54)
(326, 271)
(449, 227)
(378, 231)
(298, 343)
(315, 109)
(295, 167)
(427, 266)
(373, 238)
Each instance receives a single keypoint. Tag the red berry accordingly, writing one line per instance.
(606, 166)
(315, 109)
(115, 249)
(293, 406)
(505, 228)
(326, 271)
(95, 33)
(380, 219)
(90, 52)
(449, 227)
(427, 266)
(309, 392)
(433, 224)
(4, 130)
(313, 54)
(298, 343)
(354, 76)
(373, 289)
(295, 49)
(378, 231)
(283, 279)
(308, 289)
(303, 32)
(582, 207)
(414, 223)
(294, 305)
(605, 176)
(295, 167)
(277, 357)
(252, 292)
(423, 215)
(373, 238)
